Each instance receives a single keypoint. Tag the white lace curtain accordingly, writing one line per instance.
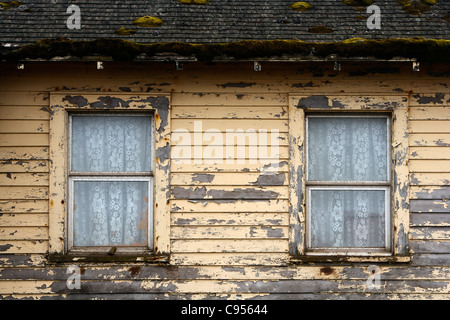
(110, 210)
(347, 149)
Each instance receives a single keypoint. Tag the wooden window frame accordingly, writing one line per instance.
(63, 104)
(74, 176)
(397, 106)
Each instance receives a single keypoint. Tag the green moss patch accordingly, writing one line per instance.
(9, 4)
(358, 3)
(301, 6)
(416, 7)
(125, 32)
(425, 50)
(194, 1)
(320, 29)
(148, 22)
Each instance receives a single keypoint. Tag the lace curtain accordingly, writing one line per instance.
(110, 210)
(347, 149)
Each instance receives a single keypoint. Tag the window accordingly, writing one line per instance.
(109, 177)
(348, 178)
(348, 183)
(110, 181)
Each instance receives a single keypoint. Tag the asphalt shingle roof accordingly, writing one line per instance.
(217, 22)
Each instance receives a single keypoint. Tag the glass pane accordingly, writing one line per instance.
(110, 213)
(347, 149)
(348, 218)
(111, 144)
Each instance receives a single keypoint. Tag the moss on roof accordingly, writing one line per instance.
(425, 50)
(9, 4)
(358, 2)
(416, 7)
(148, 22)
(301, 6)
(194, 1)
(320, 29)
(124, 31)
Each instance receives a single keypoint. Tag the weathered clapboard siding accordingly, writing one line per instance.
(229, 221)
(227, 236)
(24, 172)
(430, 177)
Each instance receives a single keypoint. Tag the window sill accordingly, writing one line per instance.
(305, 259)
(106, 258)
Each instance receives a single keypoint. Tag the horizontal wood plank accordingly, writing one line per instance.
(23, 219)
(229, 219)
(9, 166)
(24, 233)
(204, 246)
(229, 192)
(430, 179)
(227, 99)
(263, 165)
(441, 206)
(230, 179)
(23, 246)
(430, 193)
(429, 166)
(24, 139)
(229, 232)
(23, 98)
(250, 127)
(430, 220)
(230, 112)
(24, 153)
(429, 113)
(23, 193)
(430, 140)
(23, 206)
(246, 206)
(430, 233)
(430, 153)
(23, 179)
(429, 126)
(24, 113)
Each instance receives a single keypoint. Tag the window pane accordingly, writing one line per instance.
(107, 213)
(111, 143)
(347, 149)
(348, 218)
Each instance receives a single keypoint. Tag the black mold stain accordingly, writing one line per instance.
(163, 153)
(200, 193)
(236, 85)
(203, 177)
(438, 99)
(77, 100)
(269, 179)
(5, 247)
(313, 101)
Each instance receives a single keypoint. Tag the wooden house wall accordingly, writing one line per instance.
(229, 234)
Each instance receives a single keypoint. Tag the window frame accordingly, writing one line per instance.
(394, 105)
(348, 185)
(73, 176)
(62, 105)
